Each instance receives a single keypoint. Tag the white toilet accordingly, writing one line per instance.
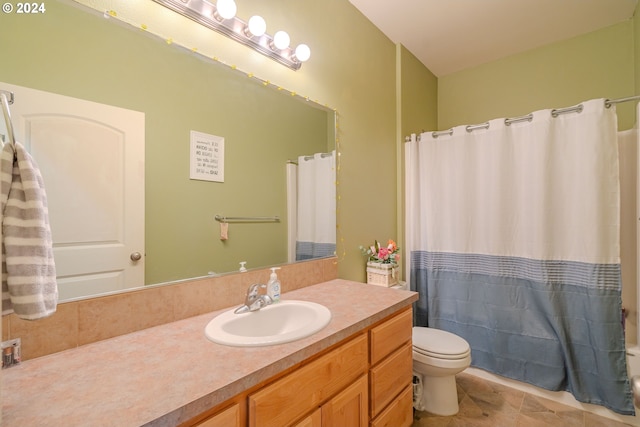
(437, 357)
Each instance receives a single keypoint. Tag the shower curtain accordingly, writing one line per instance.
(513, 239)
(316, 207)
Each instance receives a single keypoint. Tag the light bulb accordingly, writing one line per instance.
(281, 40)
(226, 8)
(257, 26)
(302, 52)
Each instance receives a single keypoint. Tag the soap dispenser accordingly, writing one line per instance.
(243, 268)
(273, 286)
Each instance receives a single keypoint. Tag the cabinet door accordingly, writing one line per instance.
(300, 392)
(230, 417)
(349, 407)
(313, 420)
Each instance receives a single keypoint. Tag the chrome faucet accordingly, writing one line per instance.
(254, 300)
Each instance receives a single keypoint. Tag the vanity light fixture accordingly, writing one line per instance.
(281, 40)
(221, 17)
(256, 26)
(225, 9)
(302, 53)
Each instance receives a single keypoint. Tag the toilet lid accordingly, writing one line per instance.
(438, 343)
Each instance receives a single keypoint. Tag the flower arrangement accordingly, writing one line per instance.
(382, 254)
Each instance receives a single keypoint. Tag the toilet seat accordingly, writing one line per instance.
(439, 344)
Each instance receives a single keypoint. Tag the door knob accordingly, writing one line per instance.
(135, 256)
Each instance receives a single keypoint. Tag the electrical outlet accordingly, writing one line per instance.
(11, 353)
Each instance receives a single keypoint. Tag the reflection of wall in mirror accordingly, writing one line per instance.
(79, 54)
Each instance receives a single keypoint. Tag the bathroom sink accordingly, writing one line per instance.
(283, 322)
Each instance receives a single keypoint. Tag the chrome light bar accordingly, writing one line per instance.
(205, 13)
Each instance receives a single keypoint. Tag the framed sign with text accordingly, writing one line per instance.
(207, 157)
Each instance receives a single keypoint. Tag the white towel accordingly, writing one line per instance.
(28, 269)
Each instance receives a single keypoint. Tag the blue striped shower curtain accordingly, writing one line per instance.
(514, 245)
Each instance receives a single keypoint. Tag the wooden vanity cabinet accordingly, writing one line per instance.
(364, 382)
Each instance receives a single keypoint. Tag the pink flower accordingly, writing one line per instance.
(383, 253)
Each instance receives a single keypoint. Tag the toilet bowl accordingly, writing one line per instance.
(437, 357)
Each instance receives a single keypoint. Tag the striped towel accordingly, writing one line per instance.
(28, 269)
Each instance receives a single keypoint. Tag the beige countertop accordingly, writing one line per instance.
(166, 375)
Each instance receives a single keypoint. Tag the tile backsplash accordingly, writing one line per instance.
(85, 321)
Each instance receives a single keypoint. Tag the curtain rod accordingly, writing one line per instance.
(322, 155)
(609, 102)
(508, 121)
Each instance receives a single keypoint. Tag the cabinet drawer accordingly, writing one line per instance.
(390, 335)
(289, 398)
(399, 413)
(390, 377)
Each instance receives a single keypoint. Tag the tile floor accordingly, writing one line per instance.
(487, 404)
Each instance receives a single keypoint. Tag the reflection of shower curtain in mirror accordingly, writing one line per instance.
(316, 207)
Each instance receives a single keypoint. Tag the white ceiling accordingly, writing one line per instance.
(451, 35)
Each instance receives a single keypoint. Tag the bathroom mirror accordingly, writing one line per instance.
(73, 52)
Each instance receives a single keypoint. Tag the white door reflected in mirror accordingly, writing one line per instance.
(91, 157)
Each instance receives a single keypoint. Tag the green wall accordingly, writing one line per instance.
(71, 52)
(377, 91)
(417, 89)
(419, 95)
(596, 65)
(353, 65)
(352, 69)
